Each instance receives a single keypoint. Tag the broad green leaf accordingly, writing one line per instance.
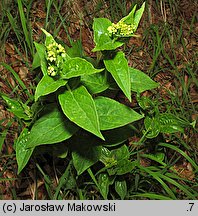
(95, 83)
(164, 123)
(84, 156)
(48, 85)
(36, 61)
(101, 36)
(124, 166)
(152, 126)
(170, 123)
(109, 158)
(121, 153)
(138, 15)
(51, 127)
(17, 108)
(104, 181)
(40, 48)
(75, 67)
(113, 114)
(23, 153)
(144, 102)
(141, 82)
(121, 188)
(86, 150)
(129, 19)
(79, 107)
(116, 161)
(118, 67)
(76, 50)
(49, 38)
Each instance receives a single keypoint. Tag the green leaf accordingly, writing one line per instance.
(121, 188)
(79, 107)
(40, 48)
(95, 83)
(84, 156)
(110, 158)
(23, 153)
(129, 19)
(170, 123)
(36, 61)
(76, 50)
(51, 127)
(138, 15)
(101, 36)
(118, 67)
(48, 85)
(124, 166)
(117, 161)
(49, 38)
(113, 114)
(140, 82)
(158, 157)
(19, 109)
(77, 67)
(164, 123)
(121, 153)
(104, 181)
(152, 126)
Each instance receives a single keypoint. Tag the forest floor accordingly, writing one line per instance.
(165, 49)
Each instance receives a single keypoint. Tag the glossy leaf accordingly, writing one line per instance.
(152, 126)
(129, 19)
(76, 50)
(23, 153)
(51, 127)
(137, 80)
(138, 15)
(121, 188)
(84, 156)
(170, 123)
(164, 123)
(104, 181)
(18, 109)
(40, 48)
(124, 166)
(113, 114)
(95, 83)
(117, 161)
(48, 85)
(75, 67)
(118, 67)
(36, 61)
(101, 36)
(49, 38)
(79, 107)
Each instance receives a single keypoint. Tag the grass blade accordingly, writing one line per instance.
(156, 176)
(152, 196)
(16, 76)
(24, 27)
(182, 153)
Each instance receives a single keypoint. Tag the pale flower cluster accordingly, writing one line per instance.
(55, 55)
(121, 29)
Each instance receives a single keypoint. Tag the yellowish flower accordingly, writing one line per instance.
(121, 29)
